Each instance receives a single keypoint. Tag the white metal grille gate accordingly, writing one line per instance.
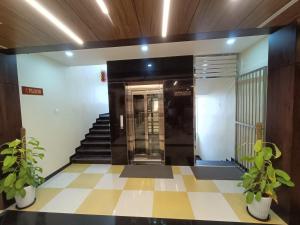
(251, 98)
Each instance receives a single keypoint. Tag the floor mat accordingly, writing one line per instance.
(214, 163)
(147, 171)
(217, 172)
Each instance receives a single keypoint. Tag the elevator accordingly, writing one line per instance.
(145, 123)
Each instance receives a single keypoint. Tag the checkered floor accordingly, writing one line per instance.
(97, 189)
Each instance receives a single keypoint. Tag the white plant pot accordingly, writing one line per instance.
(28, 200)
(260, 210)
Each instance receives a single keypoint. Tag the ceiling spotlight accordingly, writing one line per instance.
(54, 20)
(166, 10)
(205, 64)
(102, 6)
(69, 53)
(230, 41)
(175, 83)
(149, 65)
(144, 48)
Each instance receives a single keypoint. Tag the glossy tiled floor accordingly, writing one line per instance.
(98, 190)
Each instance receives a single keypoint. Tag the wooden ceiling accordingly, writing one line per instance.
(24, 27)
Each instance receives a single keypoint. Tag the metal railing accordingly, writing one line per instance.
(251, 101)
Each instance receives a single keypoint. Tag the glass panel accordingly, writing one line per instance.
(153, 125)
(139, 124)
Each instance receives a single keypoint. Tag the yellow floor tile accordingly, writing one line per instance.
(86, 180)
(176, 170)
(172, 205)
(238, 204)
(116, 169)
(100, 202)
(194, 185)
(43, 196)
(76, 168)
(146, 184)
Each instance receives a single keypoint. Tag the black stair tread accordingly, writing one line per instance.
(96, 129)
(96, 142)
(82, 150)
(92, 159)
(103, 120)
(98, 135)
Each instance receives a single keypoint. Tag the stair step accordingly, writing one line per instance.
(86, 151)
(96, 142)
(100, 131)
(97, 137)
(101, 126)
(102, 120)
(91, 159)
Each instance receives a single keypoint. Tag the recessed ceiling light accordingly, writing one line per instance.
(230, 41)
(166, 10)
(144, 48)
(69, 53)
(103, 7)
(175, 83)
(149, 65)
(59, 24)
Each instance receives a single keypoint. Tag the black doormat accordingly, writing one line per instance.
(214, 163)
(147, 171)
(217, 172)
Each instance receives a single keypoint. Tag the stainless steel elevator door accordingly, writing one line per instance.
(144, 116)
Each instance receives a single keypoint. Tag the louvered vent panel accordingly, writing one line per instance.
(215, 66)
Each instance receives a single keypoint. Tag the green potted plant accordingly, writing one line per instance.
(262, 180)
(21, 175)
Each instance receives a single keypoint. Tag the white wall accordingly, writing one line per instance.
(215, 118)
(73, 99)
(254, 57)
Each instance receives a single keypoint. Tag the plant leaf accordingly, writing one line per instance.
(271, 173)
(268, 153)
(262, 185)
(9, 161)
(288, 183)
(259, 160)
(258, 145)
(249, 197)
(10, 179)
(277, 151)
(282, 174)
(258, 196)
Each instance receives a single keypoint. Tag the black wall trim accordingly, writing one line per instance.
(146, 40)
(57, 171)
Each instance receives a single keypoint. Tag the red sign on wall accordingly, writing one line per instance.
(32, 91)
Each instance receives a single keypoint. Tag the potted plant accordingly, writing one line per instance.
(21, 175)
(262, 180)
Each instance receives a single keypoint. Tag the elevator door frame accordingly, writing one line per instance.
(145, 90)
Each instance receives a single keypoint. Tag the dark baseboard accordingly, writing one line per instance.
(57, 171)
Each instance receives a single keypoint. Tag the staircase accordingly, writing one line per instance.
(95, 148)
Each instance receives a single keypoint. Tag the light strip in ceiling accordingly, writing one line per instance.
(285, 7)
(166, 10)
(102, 6)
(53, 19)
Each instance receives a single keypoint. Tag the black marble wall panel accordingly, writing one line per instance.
(178, 103)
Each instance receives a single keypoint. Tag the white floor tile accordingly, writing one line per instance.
(228, 186)
(111, 181)
(67, 201)
(211, 206)
(186, 170)
(175, 184)
(135, 203)
(97, 168)
(61, 180)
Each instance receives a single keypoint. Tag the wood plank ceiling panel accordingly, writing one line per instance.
(287, 16)
(220, 15)
(261, 13)
(122, 23)
(149, 15)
